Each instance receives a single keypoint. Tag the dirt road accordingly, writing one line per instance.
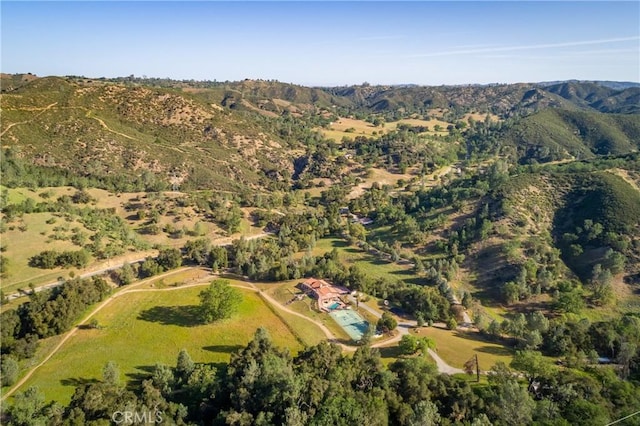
(404, 327)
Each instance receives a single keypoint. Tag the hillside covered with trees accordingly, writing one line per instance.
(505, 216)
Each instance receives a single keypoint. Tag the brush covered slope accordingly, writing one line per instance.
(560, 226)
(559, 134)
(510, 228)
(502, 99)
(93, 128)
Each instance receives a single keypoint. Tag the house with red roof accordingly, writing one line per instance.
(327, 295)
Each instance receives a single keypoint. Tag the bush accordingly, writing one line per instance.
(9, 370)
(452, 324)
(386, 323)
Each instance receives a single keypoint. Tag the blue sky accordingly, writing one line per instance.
(326, 43)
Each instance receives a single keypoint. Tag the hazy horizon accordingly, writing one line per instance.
(326, 43)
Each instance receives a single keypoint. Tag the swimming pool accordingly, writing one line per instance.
(351, 322)
(335, 305)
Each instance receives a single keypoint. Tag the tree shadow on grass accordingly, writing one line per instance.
(225, 349)
(494, 350)
(143, 372)
(409, 277)
(185, 316)
(77, 381)
(502, 348)
(378, 261)
(408, 272)
(339, 243)
(390, 352)
(346, 342)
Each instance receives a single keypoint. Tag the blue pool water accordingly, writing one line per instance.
(335, 305)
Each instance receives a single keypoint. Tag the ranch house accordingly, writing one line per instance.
(327, 295)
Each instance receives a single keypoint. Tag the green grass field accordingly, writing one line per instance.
(369, 264)
(141, 329)
(457, 347)
(31, 240)
(338, 130)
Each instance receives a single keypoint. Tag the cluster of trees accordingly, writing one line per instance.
(47, 313)
(227, 214)
(401, 149)
(263, 384)
(482, 138)
(167, 259)
(540, 270)
(50, 259)
(578, 341)
(17, 172)
(581, 341)
(589, 236)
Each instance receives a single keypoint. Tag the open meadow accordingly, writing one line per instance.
(370, 264)
(27, 234)
(457, 347)
(351, 127)
(142, 329)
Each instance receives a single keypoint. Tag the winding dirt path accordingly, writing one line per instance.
(404, 327)
(73, 331)
(103, 124)
(221, 242)
(58, 283)
(42, 111)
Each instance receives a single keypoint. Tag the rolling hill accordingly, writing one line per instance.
(247, 134)
(106, 129)
(557, 134)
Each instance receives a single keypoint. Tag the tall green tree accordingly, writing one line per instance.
(218, 301)
(111, 373)
(184, 365)
(387, 323)
(170, 258)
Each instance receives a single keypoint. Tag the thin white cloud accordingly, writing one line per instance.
(525, 47)
(603, 52)
(475, 46)
(379, 38)
(563, 55)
